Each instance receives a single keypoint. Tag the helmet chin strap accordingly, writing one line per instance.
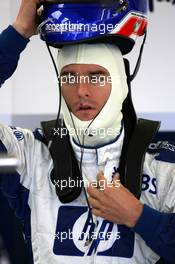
(151, 5)
(137, 67)
(86, 130)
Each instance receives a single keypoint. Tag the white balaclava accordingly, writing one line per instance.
(107, 125)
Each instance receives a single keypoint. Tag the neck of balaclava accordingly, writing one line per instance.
(93, 133)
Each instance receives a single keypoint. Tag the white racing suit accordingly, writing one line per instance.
(58, 233)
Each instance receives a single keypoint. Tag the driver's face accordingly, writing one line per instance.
(86, 89)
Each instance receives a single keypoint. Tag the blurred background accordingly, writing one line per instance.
(31, 95)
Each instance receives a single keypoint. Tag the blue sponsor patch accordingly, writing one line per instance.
(165, 150)
(77, 235)
(19, 135)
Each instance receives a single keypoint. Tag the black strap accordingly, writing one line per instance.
(138, 136)
(66, 174)
(129, 121)
(151, 5)
(142, 136)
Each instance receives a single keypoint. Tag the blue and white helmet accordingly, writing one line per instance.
(66, 22)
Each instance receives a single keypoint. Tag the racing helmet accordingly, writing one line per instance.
(119, 22)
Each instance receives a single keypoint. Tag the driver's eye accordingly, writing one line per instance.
(71, 79)
(68, 79)
(97, 78)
